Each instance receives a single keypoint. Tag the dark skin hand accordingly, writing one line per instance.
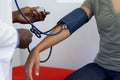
(25, 38)
(31, 14)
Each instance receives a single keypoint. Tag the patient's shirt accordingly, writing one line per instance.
(108, 23)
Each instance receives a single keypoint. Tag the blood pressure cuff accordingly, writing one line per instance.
(75, 19)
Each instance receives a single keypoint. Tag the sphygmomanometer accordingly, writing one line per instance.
(75, 19)
(72, 22)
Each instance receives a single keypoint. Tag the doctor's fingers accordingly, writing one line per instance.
(40, 17)
(43, 15)
(34, 8)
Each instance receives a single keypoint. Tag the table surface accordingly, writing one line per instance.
(46, 73)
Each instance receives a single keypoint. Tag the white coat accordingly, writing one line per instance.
(8, 39)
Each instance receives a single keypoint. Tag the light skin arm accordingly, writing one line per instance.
(33, 58)
(52, 40)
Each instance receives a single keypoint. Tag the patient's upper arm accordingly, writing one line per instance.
(89, 13)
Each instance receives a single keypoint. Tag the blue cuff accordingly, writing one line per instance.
(75, 19)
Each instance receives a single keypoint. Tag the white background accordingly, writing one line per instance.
(70, 1)
(76, 51)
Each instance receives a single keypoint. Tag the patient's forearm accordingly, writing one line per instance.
(52, 40)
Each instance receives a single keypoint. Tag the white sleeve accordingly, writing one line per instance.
(8, 41)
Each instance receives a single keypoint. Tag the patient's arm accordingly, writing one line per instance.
(33, 58)
(52, 40)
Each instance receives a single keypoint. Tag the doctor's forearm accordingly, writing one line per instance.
(52, 40)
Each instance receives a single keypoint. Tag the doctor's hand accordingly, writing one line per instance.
(31, 13)
(33, 60)
(25, 37)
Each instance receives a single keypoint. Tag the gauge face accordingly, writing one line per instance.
(70, 1)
